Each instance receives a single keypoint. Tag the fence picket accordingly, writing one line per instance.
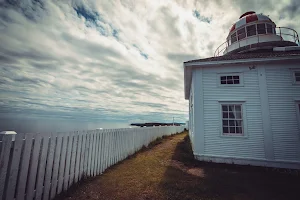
(90, 153)
(14, 168)
(42, 167)
(4, 158)
(83, 157)
(62, 162)
(102, 151)
(33, 167)
(78, 156)
(68, 162)
(97, 152)
(24, 166)
(57, 154)
(49, 166)
(73, 157)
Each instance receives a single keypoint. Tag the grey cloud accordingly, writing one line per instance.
(30, 54)
(165, 22)
(86, 47)
(153, 105)
(7, 59)
(32, 10)
(292, 9)
(180, 58)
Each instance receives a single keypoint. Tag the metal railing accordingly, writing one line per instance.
(286, 34)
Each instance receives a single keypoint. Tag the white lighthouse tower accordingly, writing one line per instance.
(244, 103)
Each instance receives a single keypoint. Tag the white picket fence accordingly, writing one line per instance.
(39, 166)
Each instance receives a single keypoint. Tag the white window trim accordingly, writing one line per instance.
(294, 78)
(241, 75)
(245, 127)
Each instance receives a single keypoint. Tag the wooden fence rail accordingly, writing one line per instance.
(40, 166)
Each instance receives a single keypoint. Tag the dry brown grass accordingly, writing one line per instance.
(167, 170)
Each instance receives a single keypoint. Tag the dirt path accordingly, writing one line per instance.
(168, 171)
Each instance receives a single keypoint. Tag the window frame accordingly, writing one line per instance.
(244, 119)
(269, 28)
(294, 76)
(241, 84)
(243, 35)
(265, 29)
(233, 37)
(254, 31)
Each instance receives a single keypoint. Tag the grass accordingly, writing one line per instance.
(166, 169)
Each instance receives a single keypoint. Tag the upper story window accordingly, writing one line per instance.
(261, 29)
(234, 79)
(297, 77)
(251, 30)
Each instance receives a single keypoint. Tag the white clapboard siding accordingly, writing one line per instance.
(40, 166)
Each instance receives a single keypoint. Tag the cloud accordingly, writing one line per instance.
(111, 60)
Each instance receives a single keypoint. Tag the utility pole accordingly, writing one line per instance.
(173, 121)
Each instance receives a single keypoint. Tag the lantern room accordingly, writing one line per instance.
(256, 31)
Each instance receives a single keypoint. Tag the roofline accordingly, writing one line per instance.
(189, 66)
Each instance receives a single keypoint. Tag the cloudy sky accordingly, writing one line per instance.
(108, 60)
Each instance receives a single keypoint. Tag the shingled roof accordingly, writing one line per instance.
(249, 55)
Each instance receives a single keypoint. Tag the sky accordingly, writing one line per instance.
(83, 64)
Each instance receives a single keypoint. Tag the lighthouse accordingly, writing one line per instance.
(244, 101)
(256, 31)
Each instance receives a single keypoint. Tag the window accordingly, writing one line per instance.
(298, 111)
(261, 29)
(241, 33)
(233, 38)
(270, 28)
(229, 80)
(232, 119)
(297, 76)
(251, 30)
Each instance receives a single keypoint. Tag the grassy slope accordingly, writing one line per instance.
(168, 171)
